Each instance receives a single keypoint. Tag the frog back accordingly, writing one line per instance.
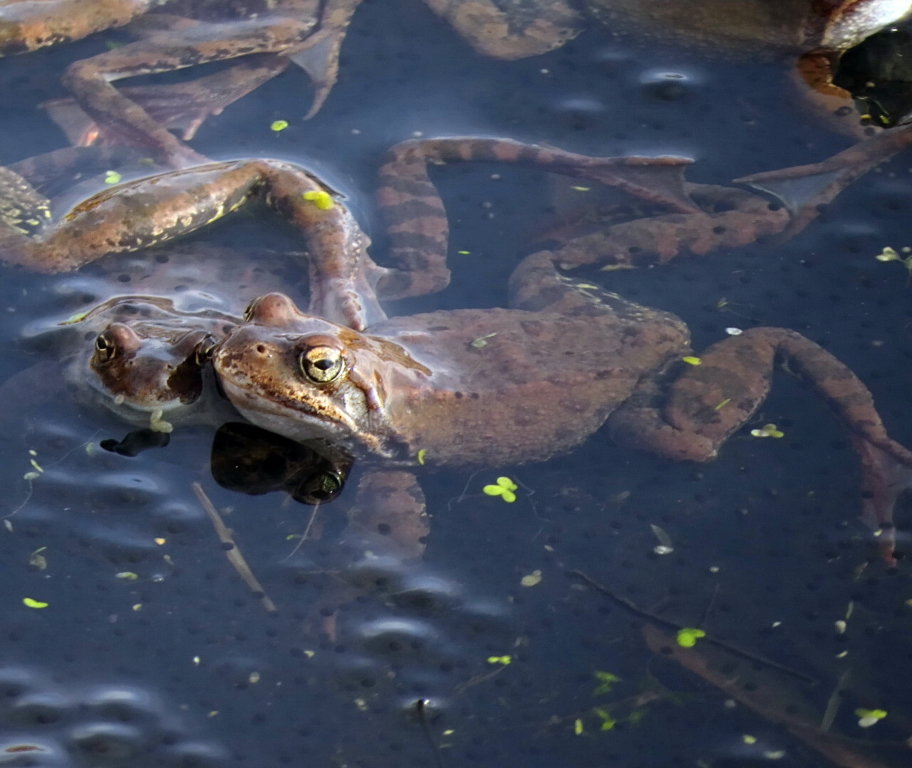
(508, 386)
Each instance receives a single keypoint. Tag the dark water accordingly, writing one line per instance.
(182, 666)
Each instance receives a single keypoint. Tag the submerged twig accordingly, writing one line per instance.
(232, 552)
(733, 649)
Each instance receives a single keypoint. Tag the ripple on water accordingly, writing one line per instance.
(44, 724)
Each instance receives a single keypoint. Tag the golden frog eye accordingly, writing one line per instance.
(322, 364)
(105, 348)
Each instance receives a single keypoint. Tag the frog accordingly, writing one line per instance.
(563, 360)
(418, 247)
(154, 209)
(131, 339)
(813, 35)
(178, 34)
(346, 286)
(147, 361)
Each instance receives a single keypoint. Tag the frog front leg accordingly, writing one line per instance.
(155, 209)
(386, 532)
(687, 412)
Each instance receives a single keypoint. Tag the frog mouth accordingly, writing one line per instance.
(286, 415)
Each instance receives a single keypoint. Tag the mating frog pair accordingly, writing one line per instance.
(489, 386)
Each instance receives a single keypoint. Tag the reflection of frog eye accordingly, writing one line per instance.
(322, 364)
(105, 348)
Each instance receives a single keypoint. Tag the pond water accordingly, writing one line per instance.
(152, 651)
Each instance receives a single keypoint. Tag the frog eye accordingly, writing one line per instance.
(248, 310)
(115, 341)
(105, 348)
(322, 364)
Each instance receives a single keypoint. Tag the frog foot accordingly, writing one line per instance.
(727, 218)
(183, 107)
(416, 220)
(318, 53)
(885, 477)
(803, 189)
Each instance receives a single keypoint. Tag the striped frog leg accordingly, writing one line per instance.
(730, 217)
(416, 220)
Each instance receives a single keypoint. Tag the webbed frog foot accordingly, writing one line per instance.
(731, 217)
(804, 189)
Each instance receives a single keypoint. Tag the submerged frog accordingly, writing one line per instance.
(147, 361)
(565, 360)
(192, 32)
(155, 209)
(811, 33)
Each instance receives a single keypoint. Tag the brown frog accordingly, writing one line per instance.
(147, 361)
(419, 242)
(502, 386)
(193, 32)
(133, 339)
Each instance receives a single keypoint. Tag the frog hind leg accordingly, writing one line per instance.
(804, 189)
(91, 80)
(688, 411)
(181, 106)
(155, 209)
(416, 219)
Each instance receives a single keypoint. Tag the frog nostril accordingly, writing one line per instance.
(261, 348)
